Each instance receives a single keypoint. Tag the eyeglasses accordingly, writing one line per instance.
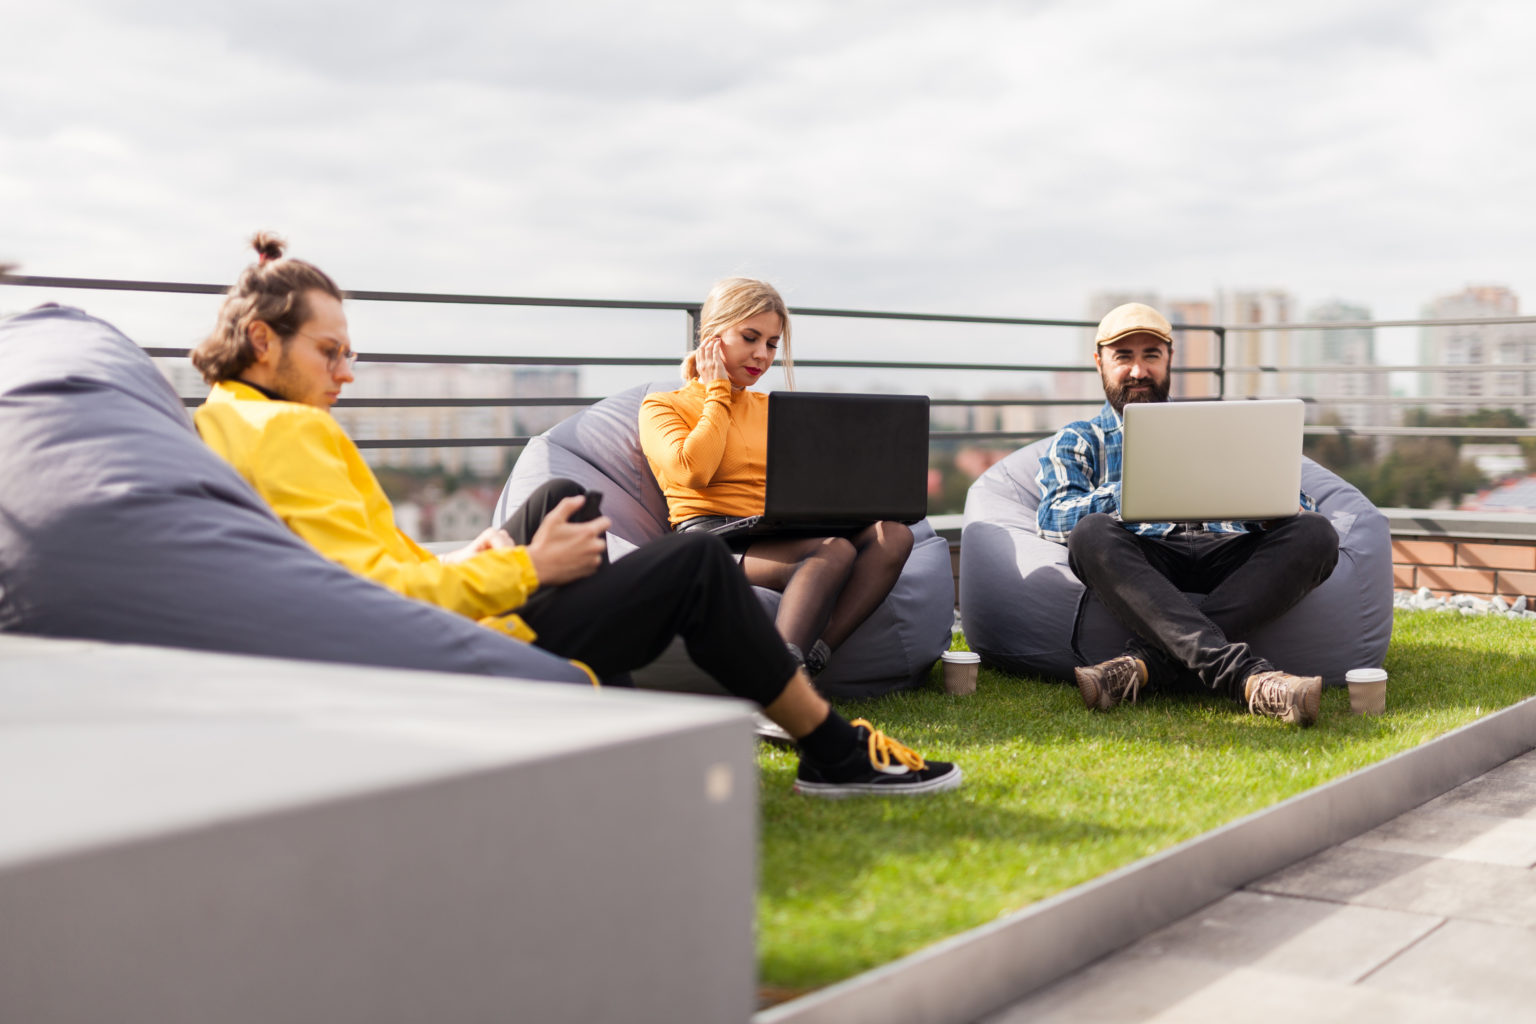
(335, 358)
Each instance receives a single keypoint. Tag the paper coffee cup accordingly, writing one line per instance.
(1367, 690)
(960, 668)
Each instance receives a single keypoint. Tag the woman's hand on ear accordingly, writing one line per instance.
(711, 361)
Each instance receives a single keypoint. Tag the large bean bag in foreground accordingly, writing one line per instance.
(117, 523)
(599, 447)
(1025, 611)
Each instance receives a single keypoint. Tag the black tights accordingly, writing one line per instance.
(830, 584)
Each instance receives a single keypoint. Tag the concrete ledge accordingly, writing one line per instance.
(1418, 522)
(966, 977)
(197, 837)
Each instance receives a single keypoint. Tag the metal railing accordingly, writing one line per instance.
(1222, 371)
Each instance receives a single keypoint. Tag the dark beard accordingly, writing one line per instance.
(1120, 396)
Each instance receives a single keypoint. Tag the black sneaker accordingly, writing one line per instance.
(881, 765)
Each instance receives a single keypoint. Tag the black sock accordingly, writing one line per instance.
(831, 741)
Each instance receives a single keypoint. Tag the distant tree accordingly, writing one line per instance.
(1418, 472)
(1421, 471)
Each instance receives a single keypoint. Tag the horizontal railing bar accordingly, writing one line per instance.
(1422, 431)
(110, 285)
(1004, 402)
(427, 357)
(443, 442)
(586, 400)
(1344, 325)
(107, 284)
(488, 360)
(445, 403)
(462, 403)
(1492, 402)
(1389, 368)
(987, 435)
(991, 435)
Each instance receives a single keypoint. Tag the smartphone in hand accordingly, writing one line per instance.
(590, 509)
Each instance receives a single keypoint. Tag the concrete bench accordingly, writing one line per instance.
(188, 836)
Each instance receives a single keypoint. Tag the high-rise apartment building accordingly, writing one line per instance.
(1483, 349)
(1341, 347)
(1271, 348)
(1193, 348)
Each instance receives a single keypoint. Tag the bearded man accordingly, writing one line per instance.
(1245, 573)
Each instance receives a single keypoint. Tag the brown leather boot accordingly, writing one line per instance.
(1293, 699)
(1109, 682)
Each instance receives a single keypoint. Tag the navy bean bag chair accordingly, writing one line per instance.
(599, 447)
(1024, 611)
(117, 523)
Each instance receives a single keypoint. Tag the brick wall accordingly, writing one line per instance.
(1482, 568)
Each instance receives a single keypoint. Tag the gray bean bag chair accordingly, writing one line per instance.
(1024, 611)
(117, 523)
(599, 447)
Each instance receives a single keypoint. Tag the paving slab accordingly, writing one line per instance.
(1325, 941)
(1445, 831)
(1511, 795)
(1181, 991)
(1523, 767)
(1489, 964)
(1494, 893)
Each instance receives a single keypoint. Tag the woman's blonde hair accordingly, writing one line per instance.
(272, 290)
(729, 303)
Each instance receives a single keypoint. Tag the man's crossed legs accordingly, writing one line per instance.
(1247, 579)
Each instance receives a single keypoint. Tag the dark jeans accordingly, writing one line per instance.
(1247, 579)
(627, 612)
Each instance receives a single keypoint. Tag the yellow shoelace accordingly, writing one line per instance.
(883, 750)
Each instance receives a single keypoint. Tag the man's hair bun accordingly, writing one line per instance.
(268, 246)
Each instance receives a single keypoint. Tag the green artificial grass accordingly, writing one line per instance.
(1055, 795)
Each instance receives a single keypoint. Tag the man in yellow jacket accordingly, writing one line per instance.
(277, 361)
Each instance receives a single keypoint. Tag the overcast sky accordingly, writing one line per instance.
(964, 156)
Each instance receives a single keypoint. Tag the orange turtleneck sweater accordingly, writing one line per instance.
(708, 446)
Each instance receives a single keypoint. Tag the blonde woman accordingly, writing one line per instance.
(707, 444)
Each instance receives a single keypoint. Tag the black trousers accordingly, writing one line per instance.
(627, 612)
(1247, 579)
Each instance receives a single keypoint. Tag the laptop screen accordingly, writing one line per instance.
(851, 457)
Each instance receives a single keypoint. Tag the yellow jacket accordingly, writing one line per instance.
(300, 460)
(708, 447)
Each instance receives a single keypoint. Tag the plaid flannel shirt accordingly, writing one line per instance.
(1080, 475)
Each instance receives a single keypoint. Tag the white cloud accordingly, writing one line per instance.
(980, 157)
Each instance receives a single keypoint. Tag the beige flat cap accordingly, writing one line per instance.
(1132, 318)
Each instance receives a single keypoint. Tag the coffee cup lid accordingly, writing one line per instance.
(1366, 675)
(962, 657)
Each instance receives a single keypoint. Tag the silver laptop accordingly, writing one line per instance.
(1203, 461)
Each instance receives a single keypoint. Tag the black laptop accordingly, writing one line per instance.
(837, 463)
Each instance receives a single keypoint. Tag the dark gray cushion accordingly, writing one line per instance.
(117, 523)
(1024, 610)
(600, 447)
